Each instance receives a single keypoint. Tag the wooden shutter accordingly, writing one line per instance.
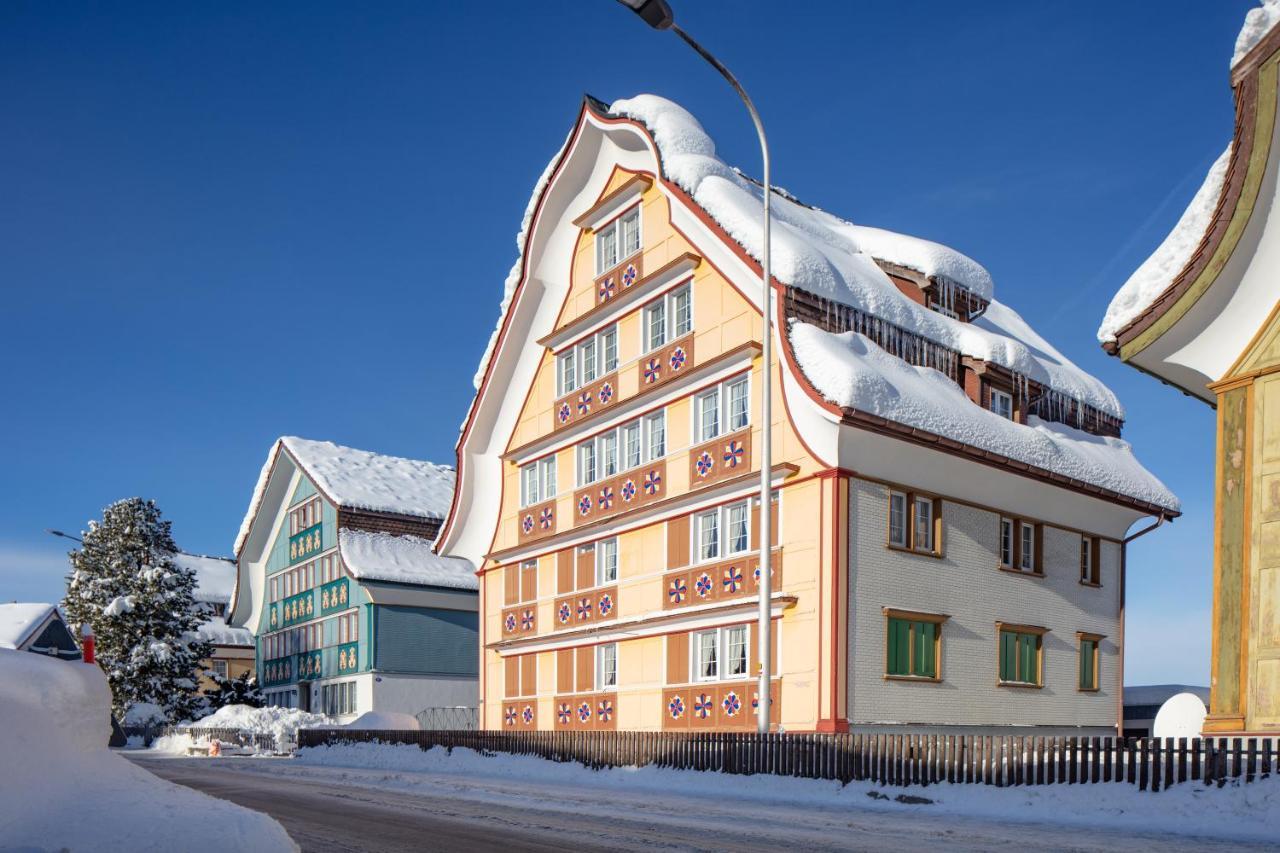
(1037, 564)
(755, 524)
(564, 571)
(586, 567)
(564, 671)
(1030, 670)
(529, 675)
(678, 542)
(1095, 560)
(529, 581)
(1008, 656)
(925, 664)
(937, 525)
(586, 669)
(510, 585)
(677, 658)
(512, 673)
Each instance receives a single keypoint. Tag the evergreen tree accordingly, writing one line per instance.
(125, 584)
(242, 690)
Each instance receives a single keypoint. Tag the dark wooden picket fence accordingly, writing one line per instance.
(889, 759)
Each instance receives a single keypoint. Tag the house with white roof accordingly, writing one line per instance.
(233, 653)
(39, 628)
(350, 608)
(952, 494)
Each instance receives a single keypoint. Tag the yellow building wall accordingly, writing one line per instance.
(723, 320)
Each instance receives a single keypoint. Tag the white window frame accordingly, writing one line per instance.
(723, 401)
(1086, 559)
(1027, 537)
(612, 236)
(588, 463)
(607, 666)
(696, 647)
(1005, 546)
(668, 304)
(721, 639)
(722, 515)
(584, 362)
(1000, 402)
(606, 551)
(904, 519)
(617, 437)
(928, 544)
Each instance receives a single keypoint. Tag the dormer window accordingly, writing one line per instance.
(1001, 402)
(618, 240)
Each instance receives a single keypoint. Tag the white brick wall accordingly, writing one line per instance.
(966, 585)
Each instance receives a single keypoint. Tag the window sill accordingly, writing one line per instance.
(1019, 684)
(1024, 572)
(617, 266)
(937, 555)
(1091, 584)
(1086, 690)
(914, 679)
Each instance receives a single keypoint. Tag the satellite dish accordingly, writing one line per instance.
(1182, 715)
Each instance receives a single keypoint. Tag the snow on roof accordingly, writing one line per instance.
(825, 255)
(402, 559)
(1257, 23)
(851, 371)
(216, 630)
(360, 479)
(215, 576)
(18, 620)
(1158, 271)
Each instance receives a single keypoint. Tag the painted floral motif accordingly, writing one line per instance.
(526, 620)
(584, 402)
(756, 574)
(584, 712)
(584, 609)
(652, 371)
(565, 413)
(546, 518)
(564, 613)
(510, 716)
(704, 464)
(677, 591)
(510, 622)
(628, 490)
(731, 704)
(527, 715)
(605, 501)
(606, 604)
(564, 714)
(703, 585)
(526, 524)
(733, 454)
(675, 707)
(604, 711)
(584, 505)
(678, 358)
(629, 275)
(703, 705)
(732, 579)
(606, 289)
(605, 394)
(652, 483)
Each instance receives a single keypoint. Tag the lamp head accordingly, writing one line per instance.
(655, 13)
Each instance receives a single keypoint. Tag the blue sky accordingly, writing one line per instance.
(227, 222)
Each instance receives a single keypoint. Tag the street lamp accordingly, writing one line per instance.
(657, 14)
(53, 532)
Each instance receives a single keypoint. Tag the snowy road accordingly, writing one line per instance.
(346, 809)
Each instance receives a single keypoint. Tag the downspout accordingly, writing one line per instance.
(1124, 554)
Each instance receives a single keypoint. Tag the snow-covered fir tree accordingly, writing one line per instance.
(242, 690)
(125, 584)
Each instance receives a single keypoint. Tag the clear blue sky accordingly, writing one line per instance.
(225, 222)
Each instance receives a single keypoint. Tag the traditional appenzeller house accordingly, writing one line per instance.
(952, 494)
(350, 607)
(1203, 314)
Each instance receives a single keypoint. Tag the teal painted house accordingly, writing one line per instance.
(350, 607)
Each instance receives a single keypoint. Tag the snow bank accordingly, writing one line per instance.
(282, 723)
(1158, 271)
(1247, 813)
(402, 559)
(18, 620)
(1257, 23)
(384, 721)
(851, 371)
(61, 788)
(144, 714)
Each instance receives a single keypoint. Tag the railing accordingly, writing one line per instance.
(257, 741)
(889, 759)
(458, 718)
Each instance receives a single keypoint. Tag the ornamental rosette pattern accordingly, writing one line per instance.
(704, 464)
(677, 591)
(733, 454)
(675, 707)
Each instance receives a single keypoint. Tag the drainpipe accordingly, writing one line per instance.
(1124, 555)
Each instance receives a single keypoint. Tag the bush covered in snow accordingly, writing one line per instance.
(281, 723)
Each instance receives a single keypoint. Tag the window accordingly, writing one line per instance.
(735, 651)
(913, 645)
(656, 432)
(739, 403)
(1001, 403)
(667, 318)
(1027, 542)
(721, 532)
(618, 240)
(1006, 542)
(631, 445)
(587, 360)
(620, 449)
(1090, 570)
(705, 649)
(1020, 546)
(606, 666)
(708, 408)
(1089, 661)
(915, 523)
(220, 668)
(609, 453)
(529, 493)
(606, 561)
(338, 699)
(587, 462)
(1020, 655)
(721, 653)
(723, 409)
(305, 515)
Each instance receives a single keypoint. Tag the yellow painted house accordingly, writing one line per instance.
(1203, 314)
(952, 495)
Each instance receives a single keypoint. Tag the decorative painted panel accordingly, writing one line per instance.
(586, 607)
(536, 522)
(721, 581)
(724, 457)
(715, 705)
(306, 543)
(587, 711)
(348, 658)
(628, 490)
(297, 608)
(334, 596)
(310, 665)
(273, 616)
(520, 714)
(665, 364)
(586, 401)
(619, 279)
(517, 621)
(277, 671)
(1233, 475)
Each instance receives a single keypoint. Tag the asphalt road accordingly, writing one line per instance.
(328, 810)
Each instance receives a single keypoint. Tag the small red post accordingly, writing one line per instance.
(87, 642)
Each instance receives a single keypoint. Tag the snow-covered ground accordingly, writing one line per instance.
(1247, 813)
(280, 723)
(61, 788)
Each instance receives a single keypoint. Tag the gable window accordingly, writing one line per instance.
(1001, 402)
(606, 666)
(722, 532)
(722, 409)
(1090, 570)
(618, 240)
(913, 644)
(915, 523)
(668, 317)
(304, 516)
(587, 360)
(721, 653)
(622, 448)
(1020, 649)
(606, 561)
(1019, 546)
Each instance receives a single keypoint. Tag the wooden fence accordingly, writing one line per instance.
(889, 759)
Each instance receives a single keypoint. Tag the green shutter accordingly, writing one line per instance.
(925, 664)
(891, 659)
(899, 647)
(1087, 649)
(1008, 656)
(1028, 673)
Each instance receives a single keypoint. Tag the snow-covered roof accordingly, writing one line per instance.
(19, 620)
(360, 479)
(835, 259)
(402, 559)
(1257, 23)
(851, 371)
(216, 630)
(215, 576)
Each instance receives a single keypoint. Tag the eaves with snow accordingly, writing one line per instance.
(838, 388)
(1188, 311)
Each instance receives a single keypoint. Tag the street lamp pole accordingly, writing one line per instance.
(657, 14)
(62, 535)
